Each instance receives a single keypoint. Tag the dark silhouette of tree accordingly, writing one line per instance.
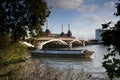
(20, 17)
(111, 38)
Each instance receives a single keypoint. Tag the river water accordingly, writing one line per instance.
(93, 65)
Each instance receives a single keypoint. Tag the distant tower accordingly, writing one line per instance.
(62, 33)
(69, 34)
(47, 32)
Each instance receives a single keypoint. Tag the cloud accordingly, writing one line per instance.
(87, 8)
(53, 3)
(96, 18)
(77, 5)
(70, 4)
(64, 4)
(109, 4)
(100, 19)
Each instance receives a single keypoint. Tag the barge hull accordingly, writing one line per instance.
(84, 55)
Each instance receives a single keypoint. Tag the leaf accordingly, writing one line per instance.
(104, 26)
(106, 56)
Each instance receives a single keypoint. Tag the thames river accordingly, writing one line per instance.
(93, 65)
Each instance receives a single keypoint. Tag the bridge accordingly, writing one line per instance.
(61, 38)
(58, 41)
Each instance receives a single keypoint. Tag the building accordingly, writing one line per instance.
(47, 33)
(62, 34)
(98, 33)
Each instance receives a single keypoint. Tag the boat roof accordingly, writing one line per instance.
(59, 51)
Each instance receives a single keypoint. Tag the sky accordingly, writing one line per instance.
(84, 16)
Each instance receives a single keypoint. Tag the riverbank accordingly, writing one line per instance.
(46, 72)
(40, 70)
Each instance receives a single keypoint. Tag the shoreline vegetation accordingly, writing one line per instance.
(39, 70)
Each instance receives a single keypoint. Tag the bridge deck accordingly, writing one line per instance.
(61, 38)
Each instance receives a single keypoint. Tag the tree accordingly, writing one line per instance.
(18, 17)
(111, 38)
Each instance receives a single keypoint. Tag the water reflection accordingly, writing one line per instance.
(89, 65)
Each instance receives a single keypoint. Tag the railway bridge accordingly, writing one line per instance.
(64, 41)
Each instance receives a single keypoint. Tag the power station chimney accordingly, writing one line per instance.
(62, 28)
(69, 33)
(68, 27)
(46, 24)
(47, 32)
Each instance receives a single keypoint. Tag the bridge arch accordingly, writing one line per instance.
(63, 42)
(76, 40)
(52, 40)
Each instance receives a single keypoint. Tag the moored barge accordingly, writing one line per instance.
(62, 53)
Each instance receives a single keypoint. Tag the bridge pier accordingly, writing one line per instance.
(38, 45)
(69, 44)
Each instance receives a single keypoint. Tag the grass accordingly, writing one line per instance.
(11, 56)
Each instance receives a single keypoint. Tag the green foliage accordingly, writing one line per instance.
(13, 53)
(4, 40)
(37, 32)
(18, 17)
(107, 37)
(111, 38)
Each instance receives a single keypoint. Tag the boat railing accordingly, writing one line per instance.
(61, 51)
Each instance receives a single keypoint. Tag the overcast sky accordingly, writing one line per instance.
(84, 16)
